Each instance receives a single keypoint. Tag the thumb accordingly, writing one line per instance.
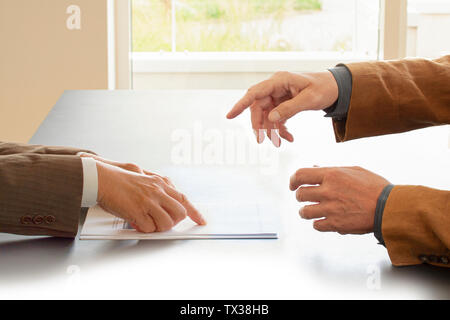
(289, 108)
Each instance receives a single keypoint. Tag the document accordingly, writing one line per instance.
(238, 221)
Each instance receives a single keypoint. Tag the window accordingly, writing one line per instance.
(255, 25)
(251, 35)
(428, 28)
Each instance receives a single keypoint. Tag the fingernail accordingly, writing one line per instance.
(274, 116)
(259, 134)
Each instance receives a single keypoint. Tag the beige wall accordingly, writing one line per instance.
(40, 58)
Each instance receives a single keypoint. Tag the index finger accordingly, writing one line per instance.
(191, 211)
(306, 176)
(258, 91)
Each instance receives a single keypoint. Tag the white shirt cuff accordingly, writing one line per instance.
(90, 182)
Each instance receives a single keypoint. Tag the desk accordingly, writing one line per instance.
(145, 127)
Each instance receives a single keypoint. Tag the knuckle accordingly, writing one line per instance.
(151, 179)
(158, 179)
(154, 189)
(280, 74)
(179, 218)
(153, 186)
(183, 213)
(182, 197)
(132, 167)
(317, 226)
(295, 180)
(306, 214)
(298, 174)
(299, 195)
(166, 226)
(328, 193)
(332, 174)
(147, 228)
(325, 190)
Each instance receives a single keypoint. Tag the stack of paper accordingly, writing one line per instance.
(242, 221)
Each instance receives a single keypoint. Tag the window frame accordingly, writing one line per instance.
(392, 45)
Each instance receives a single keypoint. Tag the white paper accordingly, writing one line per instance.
(240, 221)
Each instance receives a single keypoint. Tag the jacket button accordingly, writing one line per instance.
(49, 219)
(423, 258)
(38, 219)
(444, 259)
(26, 219)
(433, 258)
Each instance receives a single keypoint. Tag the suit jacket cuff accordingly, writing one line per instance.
(343, 79)
(381, 203)
(90, 182)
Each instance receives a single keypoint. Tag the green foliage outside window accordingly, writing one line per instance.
(215, 25)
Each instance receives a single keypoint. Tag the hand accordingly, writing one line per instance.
(346, 197)
(126, 166)
(285, 94)
(148, 202)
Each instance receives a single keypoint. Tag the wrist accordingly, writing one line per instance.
(102, 176)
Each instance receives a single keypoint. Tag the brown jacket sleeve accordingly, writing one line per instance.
(396, 96)
(392, 97)
(12, 148)
(416, 226)
(40, 190)
(40, 194)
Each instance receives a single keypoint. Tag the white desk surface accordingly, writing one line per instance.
(137, 126)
